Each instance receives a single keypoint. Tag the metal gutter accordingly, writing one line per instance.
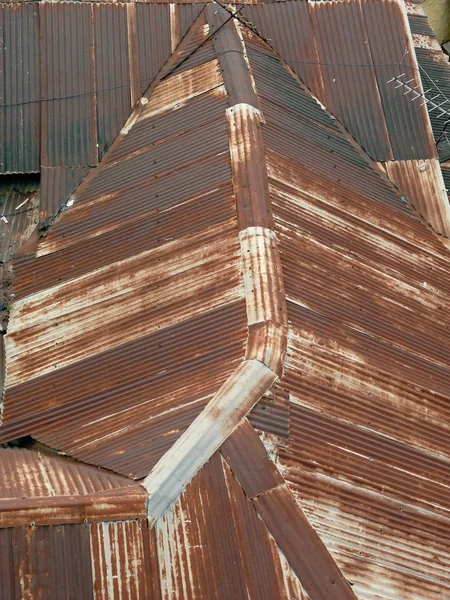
(263, 284)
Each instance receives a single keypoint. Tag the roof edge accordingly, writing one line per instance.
(114, 505)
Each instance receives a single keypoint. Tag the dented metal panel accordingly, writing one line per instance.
(19, 88)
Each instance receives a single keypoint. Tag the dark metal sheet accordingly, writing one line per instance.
(187, 14)
(420, 24)
(68, 134)
(46, 562)
(350, 91)
(287, 27)
(390, 44)
(153, 40)
(248, 459)
(57, 185)
(19, 204)
(19, 88)
(271, 414)
(112, 72)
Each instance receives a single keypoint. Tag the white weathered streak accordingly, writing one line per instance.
(206, 434)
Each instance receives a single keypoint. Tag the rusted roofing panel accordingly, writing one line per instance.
(288, 28)
(153, 40)
(351, 92)
(378, 536)
(187, 13)
(68, 135)
(271, 414)
(19, 202)
(159, 273)
(57, 184)
(407, 121)
(19, 88)
(121, 564)
(51, 561)
(212, 544)
(249, 462)
(112, 71)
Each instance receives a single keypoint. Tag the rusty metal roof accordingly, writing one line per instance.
(236, 235)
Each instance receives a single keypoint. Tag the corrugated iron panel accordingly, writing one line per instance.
(351, 91)
(19, 88)
(249, 461)
(212, 544)
(31, 474)
(68, 128)
(287, 27)
(19, 202)
(187, 13)
(390, 43)
(153, 40)
(420, 24)
(46, 562)
(381, 540)
(121, 565)
(435, 75)
(112, 71)
(271, 414)
(57, 185)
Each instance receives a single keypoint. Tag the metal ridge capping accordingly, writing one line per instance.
(263, 285)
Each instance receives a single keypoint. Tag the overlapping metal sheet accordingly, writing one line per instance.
(347, 54)
(212, 544)
(19, 88)
(164, 302)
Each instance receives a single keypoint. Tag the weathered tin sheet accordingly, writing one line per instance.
(351, 92)
(112, 72)
(169, 281)
(271, 414)
(68, 126)
(57, 185)
(19, 205)
(122, 564)
(46, 562)
(153, 36)
(420, 24)
(212, 544)
(348, 53)
(19, 88)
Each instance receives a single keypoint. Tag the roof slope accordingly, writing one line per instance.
(325, 278)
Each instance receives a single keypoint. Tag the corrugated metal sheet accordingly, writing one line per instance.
(46, 562)
(420, 24)
(212, 544)
(348, 53)
(19, 88)
(187, 13)
(154, 45)
(112, 71)
(298, 128)
(164, 302)
(31, 474)
(122, 565)
(57, 185)
(271, 414)
(68, 127)
(19, 202)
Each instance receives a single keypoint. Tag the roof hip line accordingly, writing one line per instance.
(263, 284)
